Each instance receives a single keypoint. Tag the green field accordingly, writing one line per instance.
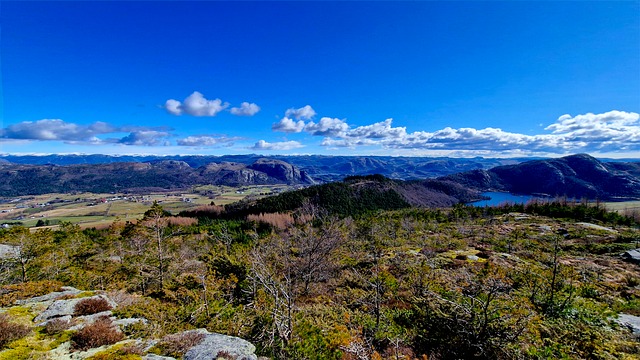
(631, 208)
(99, 210)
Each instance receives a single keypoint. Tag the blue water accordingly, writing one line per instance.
(498, 198)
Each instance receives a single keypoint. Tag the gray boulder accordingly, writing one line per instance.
(157, 357)
(631, 322)
(632, 256)
(66, 307)
(9, 251)
(213, 343)
(66, 291)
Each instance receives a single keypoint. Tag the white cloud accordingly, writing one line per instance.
(304, 113)
(196, 105)
(380, 130)
(206, 140)
(614, 131)
(146, 138)
(288, 125)
(245, 109)
(327, 127)
(55, 129)
(283, 145)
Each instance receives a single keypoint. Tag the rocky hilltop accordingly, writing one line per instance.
(575, 176)
(74, 324)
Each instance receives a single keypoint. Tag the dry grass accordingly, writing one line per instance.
(182, 221)
(56, 326)
(99, 333)
(90, 306)
(10, 331)
(277, 220)
(177, 345)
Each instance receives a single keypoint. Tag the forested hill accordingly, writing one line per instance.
(576, 176)
(360, 194)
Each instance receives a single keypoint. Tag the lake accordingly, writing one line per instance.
(498, 198)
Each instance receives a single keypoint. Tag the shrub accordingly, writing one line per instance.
(56, 325)
(90, 306)
(10, 331)
(177, 344)
(101, 332)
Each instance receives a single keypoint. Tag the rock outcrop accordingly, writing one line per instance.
(61, 307)
(214, 344)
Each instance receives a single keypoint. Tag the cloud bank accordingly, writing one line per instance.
(70, 133)
(613, 131)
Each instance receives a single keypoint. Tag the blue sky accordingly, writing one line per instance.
(344, 78)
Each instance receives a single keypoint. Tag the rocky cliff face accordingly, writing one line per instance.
(282, 171)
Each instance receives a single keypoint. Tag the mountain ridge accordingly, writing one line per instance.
(576, 176)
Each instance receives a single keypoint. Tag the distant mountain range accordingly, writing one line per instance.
(573, 176)
(321, 168)
(142, 176)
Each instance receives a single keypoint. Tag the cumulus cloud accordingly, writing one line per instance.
(206, 140)
(288, 125)
(196, 105)
(146, 138)
(245, 109)
(304, 113)
(327, 127)
(283, 145)
(380, 130)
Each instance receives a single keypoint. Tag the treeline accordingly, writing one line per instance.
(353, 197)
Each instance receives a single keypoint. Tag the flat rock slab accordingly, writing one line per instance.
(157, 357)
(66, 307)
(213, 343)
(597, 227)
(630, 321)
(9, 251)
(66, 291)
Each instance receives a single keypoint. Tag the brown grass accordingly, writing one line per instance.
(182, 221)
(209, 209)
(91, 306)
(56, 326)
(10, 293)
(10, 331)
(101, 332)
(277, 220)
(177, 345)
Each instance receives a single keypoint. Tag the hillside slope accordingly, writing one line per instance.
(131, 177)
(576, 176)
